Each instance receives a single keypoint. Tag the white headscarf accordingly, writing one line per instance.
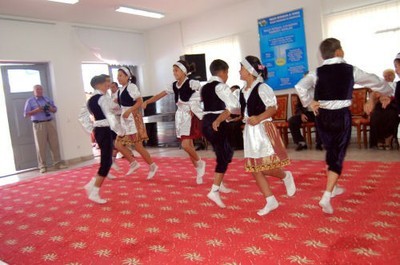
(182, 67)
(249, 68)
(126, 71)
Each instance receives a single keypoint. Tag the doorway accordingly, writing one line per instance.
(17, 80)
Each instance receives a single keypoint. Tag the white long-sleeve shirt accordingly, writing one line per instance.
(224, 92)
(105, 103)
(306, 86)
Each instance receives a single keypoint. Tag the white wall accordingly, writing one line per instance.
(164, 48)
(60, 45)
(167, 43)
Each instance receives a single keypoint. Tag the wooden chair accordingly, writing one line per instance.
(281, 116)
(359, 119)
(308, 127)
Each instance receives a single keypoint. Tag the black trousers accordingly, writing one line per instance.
(235, 134)
(114, 135)
(295, 123)
(219, 141)
(384, 123)
(334, 128)
(104, 139)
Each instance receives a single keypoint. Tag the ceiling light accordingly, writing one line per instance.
(139, 12)
(71, 2)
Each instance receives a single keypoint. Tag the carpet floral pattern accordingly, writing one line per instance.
(169, 220)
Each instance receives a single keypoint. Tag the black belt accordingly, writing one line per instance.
(41, 121)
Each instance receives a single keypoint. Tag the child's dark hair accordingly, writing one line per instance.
(97, 80)
(115, 84)
(234, 87)
(258, 66)
(191, 68)
(132, 79)
(217, 66)
(328, 47)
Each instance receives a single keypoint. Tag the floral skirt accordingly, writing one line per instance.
(139, 136)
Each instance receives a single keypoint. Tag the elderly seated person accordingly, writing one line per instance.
(383, 118)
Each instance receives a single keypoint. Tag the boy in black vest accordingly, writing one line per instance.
(333, 84)
(219, 104)
(99, 105)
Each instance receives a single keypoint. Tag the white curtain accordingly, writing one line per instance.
(227, 49)
(370, 36)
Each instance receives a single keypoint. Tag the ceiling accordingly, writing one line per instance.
(101, 12)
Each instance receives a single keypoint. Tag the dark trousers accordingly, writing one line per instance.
(104, 139)
(114, 135)
(334, 128)
(219, 141)
(384, 123)
(295, 123)
(235, 134)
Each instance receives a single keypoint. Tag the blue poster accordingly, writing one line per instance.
(283, 48)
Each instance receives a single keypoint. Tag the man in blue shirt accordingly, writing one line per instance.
(41, 111)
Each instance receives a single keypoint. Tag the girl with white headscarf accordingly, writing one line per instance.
(264, 151)
(188, 114)
(130, 100)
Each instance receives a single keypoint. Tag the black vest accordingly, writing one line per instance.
(210, 98)
(335, 82)
(184, 93)
(397, 97)
(124, 99)
(94, 107)
(255, 105)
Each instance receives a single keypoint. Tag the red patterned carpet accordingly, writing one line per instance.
(169, 220)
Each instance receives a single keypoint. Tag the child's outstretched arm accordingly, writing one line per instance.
(372, 81)
(154, 99)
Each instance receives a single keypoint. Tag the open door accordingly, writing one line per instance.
(18, 82)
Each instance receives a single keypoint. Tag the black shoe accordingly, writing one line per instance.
(319, 147)
(301, 147)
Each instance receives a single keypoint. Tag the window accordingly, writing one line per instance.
(114, 74)
(227, 49)
(370, 35)
(91, 69)
(23, 80)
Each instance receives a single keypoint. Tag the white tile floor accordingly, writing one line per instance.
(353, 154)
